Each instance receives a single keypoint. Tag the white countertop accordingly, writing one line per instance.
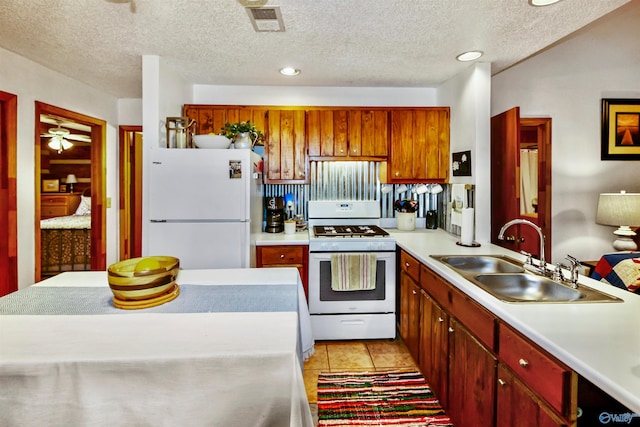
(600, 341)
(274, 239)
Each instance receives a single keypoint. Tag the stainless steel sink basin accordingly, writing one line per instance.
(526, 287)
(482, 263)
(507, 280)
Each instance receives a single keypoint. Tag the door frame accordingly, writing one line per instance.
(98, 183)
(505, 179)
(130, 201)
(8, 192)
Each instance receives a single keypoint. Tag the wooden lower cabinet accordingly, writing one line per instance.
(518, 406)
(286, 256)
(410, 314)
(434, 346)
(483, 372)
(472, 379)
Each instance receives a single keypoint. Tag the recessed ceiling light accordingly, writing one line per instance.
(542, 2)
(289, 71)
(469, 56)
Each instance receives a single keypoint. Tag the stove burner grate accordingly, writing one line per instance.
(349, 231)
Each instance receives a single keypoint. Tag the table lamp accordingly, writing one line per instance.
(622, 210)
(71, 179)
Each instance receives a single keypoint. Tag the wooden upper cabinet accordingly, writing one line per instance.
(347, 134)
(212, 118)
(285, 151)
(419, 149)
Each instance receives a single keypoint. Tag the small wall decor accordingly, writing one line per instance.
(620, 129)
(50, 185)
(461, 165)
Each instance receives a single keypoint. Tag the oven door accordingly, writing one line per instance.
(324, 300)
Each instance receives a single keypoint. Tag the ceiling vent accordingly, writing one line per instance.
(266, 19)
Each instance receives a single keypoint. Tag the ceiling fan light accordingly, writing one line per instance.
(58, 143)
(469, 56)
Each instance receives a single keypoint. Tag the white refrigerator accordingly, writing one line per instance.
(205, 206)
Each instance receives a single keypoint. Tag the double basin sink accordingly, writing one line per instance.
(507, 280)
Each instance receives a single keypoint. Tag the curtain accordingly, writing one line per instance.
(528, 180)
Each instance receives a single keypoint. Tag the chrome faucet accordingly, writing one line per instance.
(543, 263)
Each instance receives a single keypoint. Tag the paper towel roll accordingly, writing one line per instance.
(467, 230)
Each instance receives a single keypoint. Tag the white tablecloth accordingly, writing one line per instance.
(151, 369)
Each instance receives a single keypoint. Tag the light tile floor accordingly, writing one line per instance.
(368, 355)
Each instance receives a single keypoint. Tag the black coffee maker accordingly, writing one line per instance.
(274, 207)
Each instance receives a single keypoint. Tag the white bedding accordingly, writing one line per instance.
(70, 222)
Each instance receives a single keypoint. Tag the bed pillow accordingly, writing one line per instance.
(85, 206)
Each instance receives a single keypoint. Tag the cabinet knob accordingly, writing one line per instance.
(406, 264)
(501, 382)
(341, 150)
(440, 319)
(413, 291)
(281, 256)
(397, 173)
(450, 329)
(523, 363)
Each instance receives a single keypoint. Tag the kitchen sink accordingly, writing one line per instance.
(483, 263)
(507, 280)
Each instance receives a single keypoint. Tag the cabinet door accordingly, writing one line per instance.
(410, 314)
(327, 133)
(518, 407)
(472, 379)
(368, 133)
(419, 145)
(212, 118)
(286, 159)
(434, 346)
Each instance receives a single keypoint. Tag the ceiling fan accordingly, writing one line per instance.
(58, 141)
(61, 137)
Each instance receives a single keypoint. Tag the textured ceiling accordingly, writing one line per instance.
(387, 43)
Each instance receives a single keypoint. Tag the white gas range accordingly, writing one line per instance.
(344, 235)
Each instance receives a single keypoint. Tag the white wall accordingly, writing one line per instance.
(163, 94)
(468, 95)
(314, 96)
(33, 82)
(567, 83)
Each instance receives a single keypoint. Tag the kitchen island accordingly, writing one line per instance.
(196, 365)
(596, 340)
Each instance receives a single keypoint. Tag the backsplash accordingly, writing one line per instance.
(353, 181)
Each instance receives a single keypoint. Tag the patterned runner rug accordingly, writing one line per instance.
(377, 399)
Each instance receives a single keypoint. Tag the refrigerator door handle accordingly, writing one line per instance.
(158, 220)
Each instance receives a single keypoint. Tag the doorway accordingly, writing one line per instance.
(130, 203)
(95, 181)
(8, 207)
(513, 140)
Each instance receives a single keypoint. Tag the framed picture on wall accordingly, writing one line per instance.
(50, 185)
(620, 129)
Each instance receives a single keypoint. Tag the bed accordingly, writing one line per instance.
(65, 243)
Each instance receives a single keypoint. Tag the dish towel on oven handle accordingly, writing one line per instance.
(353, 272)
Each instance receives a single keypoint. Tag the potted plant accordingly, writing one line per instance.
(244, 134)
(406, 214)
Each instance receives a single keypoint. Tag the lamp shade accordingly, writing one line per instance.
(619, 209)
(622, 210)
(71, 179)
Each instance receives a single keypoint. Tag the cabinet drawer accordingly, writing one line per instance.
(284, 255)
(478, 320)
(546, 376)
(410, 265)
(53, 210)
